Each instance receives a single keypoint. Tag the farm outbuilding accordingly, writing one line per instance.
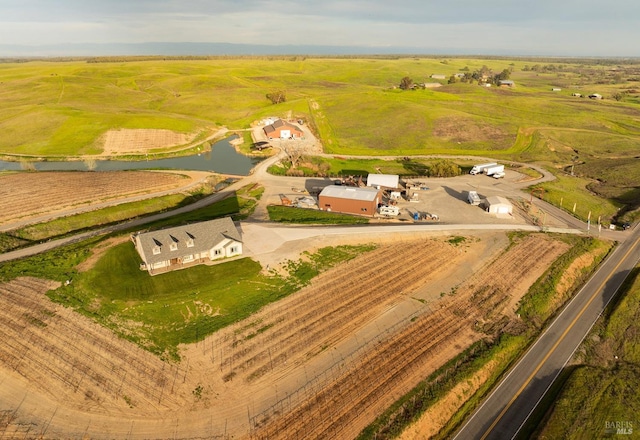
(384, 181)
(350, 199)
(498, 205)
(182, 246)
(282, 130)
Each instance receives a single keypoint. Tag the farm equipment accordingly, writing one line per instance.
(419, 216)
(286, 201)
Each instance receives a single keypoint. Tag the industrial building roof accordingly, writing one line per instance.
(164, 244)
(350, 192)
(383, 180)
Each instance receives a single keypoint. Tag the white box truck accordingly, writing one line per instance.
(473, 198)
(479, 169)
(495, 169)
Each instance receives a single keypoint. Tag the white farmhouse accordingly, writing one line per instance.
(188, 245)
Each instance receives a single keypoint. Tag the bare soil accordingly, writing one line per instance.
(28, 195)
(139, 141)
(321, 363)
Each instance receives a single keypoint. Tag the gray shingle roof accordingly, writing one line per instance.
(186, 240)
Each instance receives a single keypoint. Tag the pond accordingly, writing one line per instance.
(223, 158)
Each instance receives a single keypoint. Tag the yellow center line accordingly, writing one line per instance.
(550, 352)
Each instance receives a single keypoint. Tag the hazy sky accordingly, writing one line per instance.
(528, 27)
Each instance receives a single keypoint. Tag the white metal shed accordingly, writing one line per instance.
(383, 180)
(498, 205)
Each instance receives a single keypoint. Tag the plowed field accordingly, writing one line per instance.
(26, 195)
(321, 363)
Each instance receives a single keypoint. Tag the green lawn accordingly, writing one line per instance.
(287, 214)
(181, 307)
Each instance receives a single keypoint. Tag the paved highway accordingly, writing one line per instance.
(504, 412)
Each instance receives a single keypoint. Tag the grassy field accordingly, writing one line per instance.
(600, 394)
(353, 105)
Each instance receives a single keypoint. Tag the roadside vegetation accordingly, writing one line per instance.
(338, 166)
(600, 395)
(503, 344)
(287, 214)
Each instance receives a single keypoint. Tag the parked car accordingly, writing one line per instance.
(499, 175)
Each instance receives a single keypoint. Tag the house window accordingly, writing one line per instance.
(217, 252)
(173, 246)
(234, 249)
(187, 258)
(363, 209)
(156, 250)
(190, 242)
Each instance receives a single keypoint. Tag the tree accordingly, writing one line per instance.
(452, 79)
(406, 83)
(277, 97)
(444, 168)
(505, 74)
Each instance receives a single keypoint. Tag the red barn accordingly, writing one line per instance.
(350, 200)
(282, 130)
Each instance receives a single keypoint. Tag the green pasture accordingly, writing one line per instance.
(353, 103)
(569, 192)
(354, 106)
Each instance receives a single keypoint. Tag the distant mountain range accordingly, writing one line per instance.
(184, 49)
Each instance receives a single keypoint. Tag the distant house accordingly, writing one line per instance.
(438, 76)
(282, 130)
(432, 85)
(350, 200)
(506, 83)
(383, 181)
(595, 96)
(183, 246)
(578, 95)
(458, 75)
(556, 89)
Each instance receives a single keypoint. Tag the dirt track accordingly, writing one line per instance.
(321, 363)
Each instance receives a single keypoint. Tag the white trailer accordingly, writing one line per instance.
(473, 198)
(479, 169)
(389, 210)
(495, 169)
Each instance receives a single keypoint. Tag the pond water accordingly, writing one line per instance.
(223, 158)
